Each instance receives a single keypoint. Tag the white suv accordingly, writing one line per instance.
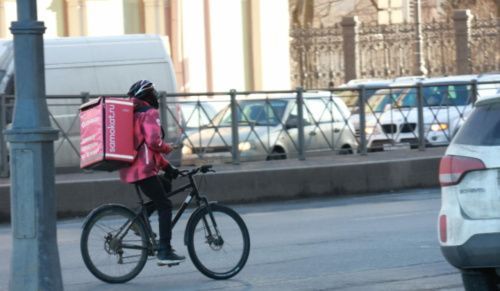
(447, 101)
(469, 220)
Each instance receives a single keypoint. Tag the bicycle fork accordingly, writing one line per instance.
(214, 239)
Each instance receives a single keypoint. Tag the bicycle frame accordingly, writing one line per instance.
(194, 193)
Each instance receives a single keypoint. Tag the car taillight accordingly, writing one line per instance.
(442, 228)
(452, 168)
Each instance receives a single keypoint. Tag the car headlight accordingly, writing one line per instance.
(439, 126)
(245, 146)
(369, 130)
(371, 127)
(186, 150)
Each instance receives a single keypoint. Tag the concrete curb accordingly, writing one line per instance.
(78, 197)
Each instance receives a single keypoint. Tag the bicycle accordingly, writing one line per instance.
(116, 241)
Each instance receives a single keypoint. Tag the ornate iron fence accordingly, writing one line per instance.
(320, 57)
(317, 57)
(439, 49)
(485, 45)
(385, 50)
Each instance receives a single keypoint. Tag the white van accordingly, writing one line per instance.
(98, 66)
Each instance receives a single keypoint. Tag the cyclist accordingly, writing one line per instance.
(148, 139)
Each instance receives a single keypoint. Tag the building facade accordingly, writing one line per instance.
(215, 45)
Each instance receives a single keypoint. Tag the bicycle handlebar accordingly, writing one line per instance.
(203, 169)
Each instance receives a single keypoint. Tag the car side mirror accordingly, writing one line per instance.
(292, 122)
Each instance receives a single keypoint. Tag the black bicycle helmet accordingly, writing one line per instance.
(141, 89)
(144, 90)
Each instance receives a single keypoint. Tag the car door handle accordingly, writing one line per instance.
(312, 133)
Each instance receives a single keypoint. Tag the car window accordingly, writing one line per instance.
(258, 112)
(380, 99)
(351, 97)
(458, 95)
(196, 115)
(294, 115)
(448, 95)
(482, 127)
(322, 111)
(409, 99)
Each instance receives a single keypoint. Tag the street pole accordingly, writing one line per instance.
(35, 259)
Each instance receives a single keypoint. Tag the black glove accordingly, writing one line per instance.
(171, 172)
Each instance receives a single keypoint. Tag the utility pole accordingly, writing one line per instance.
(35, 259)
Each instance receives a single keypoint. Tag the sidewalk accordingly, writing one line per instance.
(78, 193)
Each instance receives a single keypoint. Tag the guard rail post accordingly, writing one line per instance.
(420, 112)
(235, 151)
(474, 91)
(362, 120)
(300, 122)
(163, 113)
(4, 164)
(85, 97)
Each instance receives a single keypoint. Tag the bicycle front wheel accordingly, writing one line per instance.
(218, 241)
(114, 245)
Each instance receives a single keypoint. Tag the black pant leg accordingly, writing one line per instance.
(154, 189)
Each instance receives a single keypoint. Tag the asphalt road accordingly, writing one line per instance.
(377, 242)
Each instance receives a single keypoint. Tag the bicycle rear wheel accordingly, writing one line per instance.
(219, 248)
(113, 248)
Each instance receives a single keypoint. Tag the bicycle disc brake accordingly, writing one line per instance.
(215, 243)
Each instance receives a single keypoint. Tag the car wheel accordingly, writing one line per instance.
(345, 150)
(479, 279)
(277, 154)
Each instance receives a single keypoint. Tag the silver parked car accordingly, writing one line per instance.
(268, 129)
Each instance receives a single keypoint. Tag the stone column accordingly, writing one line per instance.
(3, 22)
(35, 259)
(175, 37)
(155, 16)
(350, 27)
(252, 44)
(208, 45)
(462, 22)
(77, 17)
(419, 69)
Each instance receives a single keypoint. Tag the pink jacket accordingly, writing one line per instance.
(149, 144)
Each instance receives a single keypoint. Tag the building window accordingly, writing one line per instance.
(391, 11)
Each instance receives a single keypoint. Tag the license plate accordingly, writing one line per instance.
(396, 146)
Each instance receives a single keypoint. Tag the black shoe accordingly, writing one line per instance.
(168, 257)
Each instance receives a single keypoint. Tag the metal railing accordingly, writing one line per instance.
(266, 125)
(243, 126)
